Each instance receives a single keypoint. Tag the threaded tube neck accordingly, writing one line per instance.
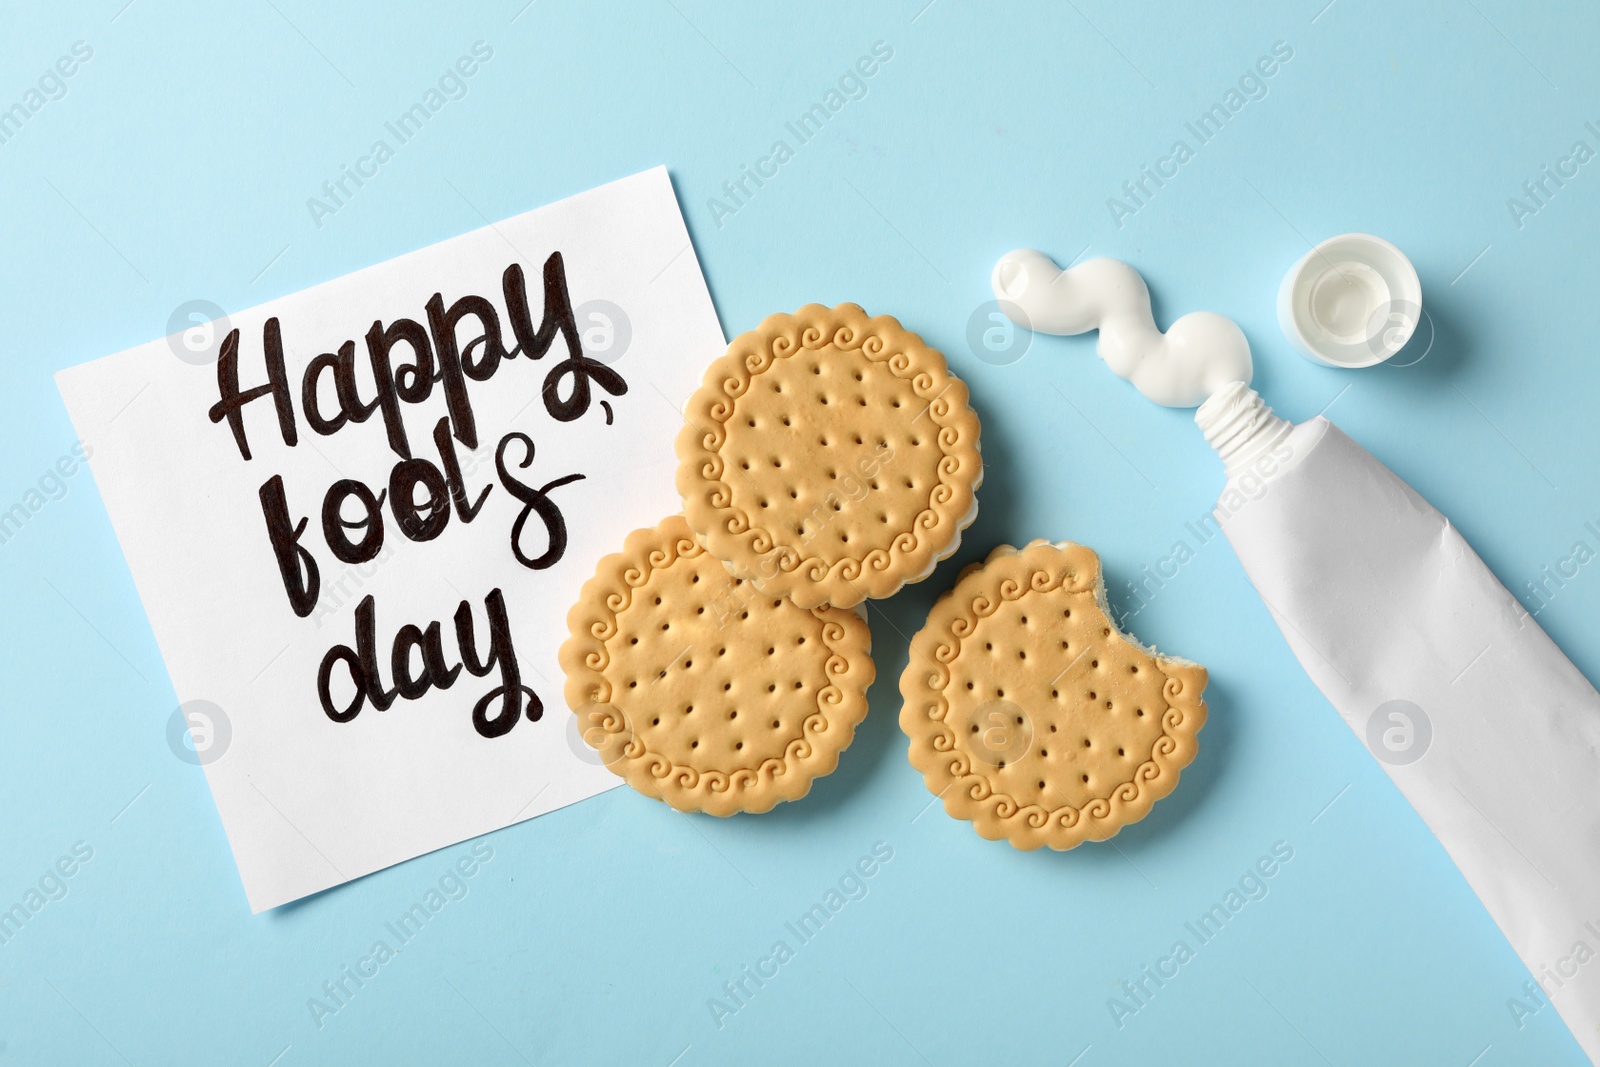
(1239, 426)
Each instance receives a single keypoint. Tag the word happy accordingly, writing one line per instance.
(410, 360)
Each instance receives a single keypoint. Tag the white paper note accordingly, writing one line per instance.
(308, 801)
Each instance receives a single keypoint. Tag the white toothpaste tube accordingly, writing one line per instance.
(1486, 727)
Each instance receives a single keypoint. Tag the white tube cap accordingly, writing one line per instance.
(1352, 301)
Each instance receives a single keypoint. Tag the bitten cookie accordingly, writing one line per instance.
(1032, 716)
(699, 690)
(829, 457)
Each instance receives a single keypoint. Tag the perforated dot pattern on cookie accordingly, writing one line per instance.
(830, 457)
(702, 691)
(1032, 715)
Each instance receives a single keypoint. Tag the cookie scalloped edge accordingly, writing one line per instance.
(737, 538)
(1009, 574)
(841, 705)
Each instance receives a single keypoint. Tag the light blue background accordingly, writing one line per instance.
(178, 166)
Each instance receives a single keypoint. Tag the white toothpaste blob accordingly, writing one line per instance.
(1198, 355)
